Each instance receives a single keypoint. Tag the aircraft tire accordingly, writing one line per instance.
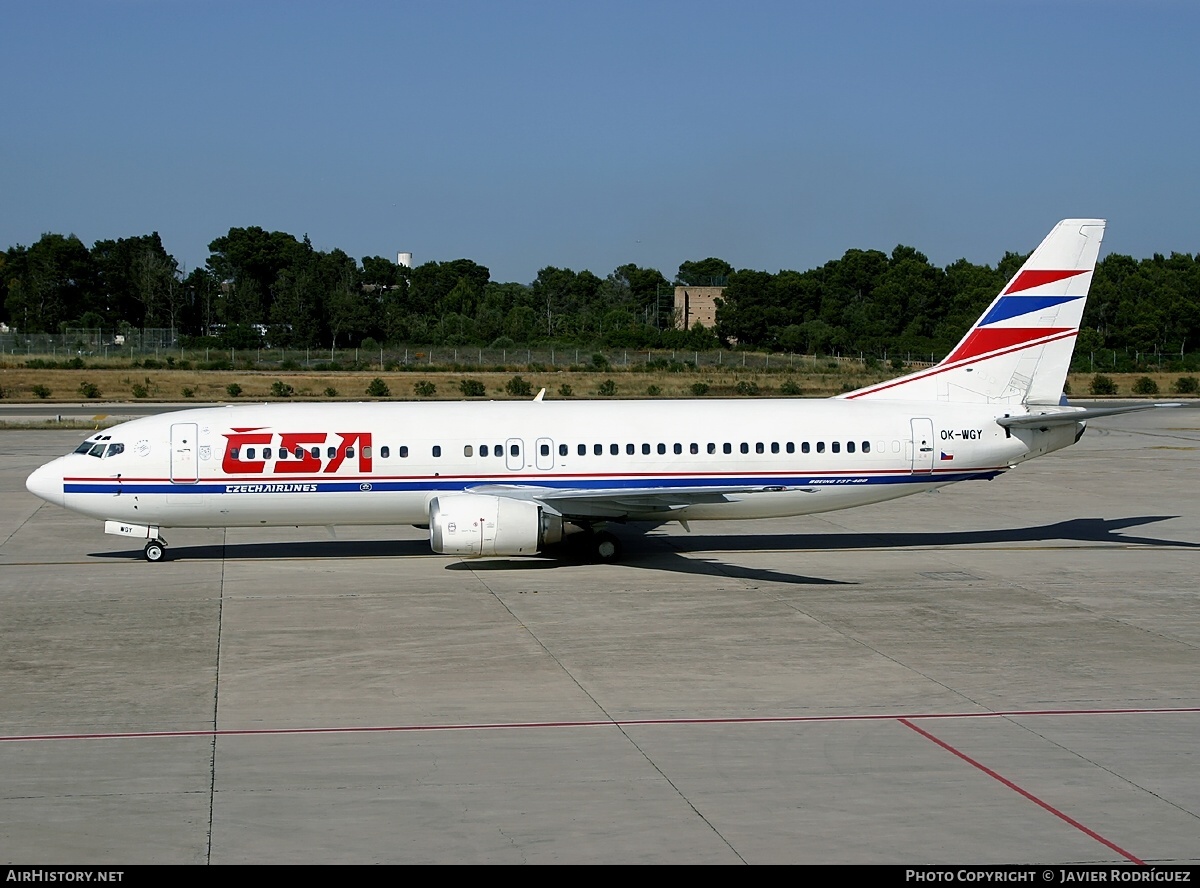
(606, 548)
(155, 551)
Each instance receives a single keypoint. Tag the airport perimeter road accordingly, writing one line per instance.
(1005, 671)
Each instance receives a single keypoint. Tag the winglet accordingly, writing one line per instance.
(540, 395)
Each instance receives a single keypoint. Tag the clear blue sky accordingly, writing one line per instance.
(591, 134)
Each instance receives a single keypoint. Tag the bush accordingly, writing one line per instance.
(1145, 386)
(188, 392)
(746, 388)
(331, 392)
(281, 389)
(233, 390)
(608, 388)
(790, 387)
(89, 390)
(425, 388)
(1102, 385)
(599, 362)
(472, 388)
(699, 389)
(653, 391)
(1184, 385)
(41, 391)
(518, 387)
(377, 388)
(565, 390)
(139, 390)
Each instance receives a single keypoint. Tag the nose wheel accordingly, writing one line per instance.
(156, 550)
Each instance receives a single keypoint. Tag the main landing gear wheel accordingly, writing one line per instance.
(606, 548)
(155, 550)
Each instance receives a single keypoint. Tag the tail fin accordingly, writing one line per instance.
(1019, 351)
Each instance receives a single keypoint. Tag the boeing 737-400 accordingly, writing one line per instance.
(512, 478)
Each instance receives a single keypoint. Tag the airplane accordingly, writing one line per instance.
(515, 478)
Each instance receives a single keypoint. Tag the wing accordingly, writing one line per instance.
(620, 502)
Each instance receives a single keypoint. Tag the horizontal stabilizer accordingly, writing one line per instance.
(1052, 418)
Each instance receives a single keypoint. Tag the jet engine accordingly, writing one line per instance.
(475, 525)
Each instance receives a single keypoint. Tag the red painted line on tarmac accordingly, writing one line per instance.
(599, 723)
(1024, 792)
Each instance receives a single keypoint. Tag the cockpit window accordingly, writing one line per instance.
(114, 449)
(97, 450)
(84, 447)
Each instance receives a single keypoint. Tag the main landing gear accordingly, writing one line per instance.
(594, 546)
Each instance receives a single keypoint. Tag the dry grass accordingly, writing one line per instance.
(19, 383)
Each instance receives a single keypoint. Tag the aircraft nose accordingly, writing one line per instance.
(47, 483)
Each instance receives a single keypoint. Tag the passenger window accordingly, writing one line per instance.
(727, 447)
(349, 453)
(866, 447)
(662, 448)
(745, 448)
(820, 447)
(598, 449)
(233, 452)
(468, 450)
(678, 448)
(837, 446)
(497, 451)
(695, 448)
(483, 450)
(645, 449)
(249, 453)
(437, 450)
(544, 450)
(774, 446)
(404, 451)
(331, 452)
(712, 448)
(791, 446)
(563, 449)
(849, 446)
(614, 449)
(581, 450)
(366, 451)
(267, 453)
(384, 452)
(630, 450)
(759, 448)
(315, 453)
(804, 448)
(283, 454)
(514, 450)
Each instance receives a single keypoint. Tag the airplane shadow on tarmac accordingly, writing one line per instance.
(668, 553)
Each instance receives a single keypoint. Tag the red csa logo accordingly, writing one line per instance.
(306, 463)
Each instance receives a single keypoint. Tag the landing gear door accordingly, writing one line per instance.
(922, 446)
(184, 467)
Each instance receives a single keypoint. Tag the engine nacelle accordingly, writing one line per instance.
(476, 525)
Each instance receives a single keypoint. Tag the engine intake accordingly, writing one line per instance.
(476, 525)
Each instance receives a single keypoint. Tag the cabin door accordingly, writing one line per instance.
(922, 445)
(544, 456)
(514, 454)
(184, 467)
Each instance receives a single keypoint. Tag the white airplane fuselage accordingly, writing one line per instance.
(382, 463)
(505, 478)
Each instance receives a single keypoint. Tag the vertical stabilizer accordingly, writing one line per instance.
(1020, 349)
